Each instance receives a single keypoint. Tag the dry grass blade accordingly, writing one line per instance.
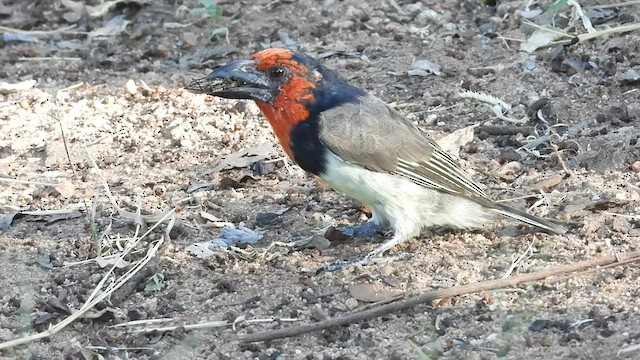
(582, 37)
(49, 58)
(629, 349)
(429, 296)
(200, 326)
(100, 293)
(26, 182)
(97, 296)
(516, 263)
(65, 29)
(613, 5)
(136, 217)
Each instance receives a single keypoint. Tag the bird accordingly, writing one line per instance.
(360, 146)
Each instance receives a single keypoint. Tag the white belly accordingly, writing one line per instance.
(399, 202)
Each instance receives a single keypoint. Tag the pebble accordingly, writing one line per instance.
(635, 167)
(387, 270)
(539, 325)
(130, 87)
(346, 24)
(351, 303)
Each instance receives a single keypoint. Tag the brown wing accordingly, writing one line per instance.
(377, 137)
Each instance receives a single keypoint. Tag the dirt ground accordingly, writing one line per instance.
(110, 88)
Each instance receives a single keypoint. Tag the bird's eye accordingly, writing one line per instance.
(277, 72)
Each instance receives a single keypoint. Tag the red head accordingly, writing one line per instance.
(282, 83)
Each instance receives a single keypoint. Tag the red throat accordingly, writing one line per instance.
(288, 110)
(289, 107)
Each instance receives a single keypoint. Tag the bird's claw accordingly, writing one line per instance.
(366, 230)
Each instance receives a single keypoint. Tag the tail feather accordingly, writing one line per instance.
(545, 224)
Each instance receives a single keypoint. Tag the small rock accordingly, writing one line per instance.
(635, 167)
(606, 333)
(190, 39)
(310, 297)
(428, 17)
(318, 314)
(529, 64)
(345, 24)
(72, 17)
(630, 77)
(424, 68)
(572, 337)
(387, 270)
(621, 225)
(509, 170)
(6, 335)
(151, 305)
(546, 341)
(130, 87)
(414, 8)
(335, 236)
(263, 219)
(371, 292)
(351, 303)
(539, 325)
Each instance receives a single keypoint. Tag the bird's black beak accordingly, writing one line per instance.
(236, 80)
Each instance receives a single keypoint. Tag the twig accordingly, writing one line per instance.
(584, 37)
(588, 271)
(212, 324)
(525, 255)
(49, 58)
(434, 295)
(498, 106)
(143, 322)
(631, 348)
(99, 293)
(621, 4)
(28, 182)
(634, 217)
(38, 32)
(94, 299)
(561, 161)
(504, 130)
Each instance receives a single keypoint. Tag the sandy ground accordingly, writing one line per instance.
(110, 87)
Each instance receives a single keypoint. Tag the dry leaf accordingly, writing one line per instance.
(547, 183)
(508, 171)
(371, 292)
(452, 143)
(65, 189)
(245, 158)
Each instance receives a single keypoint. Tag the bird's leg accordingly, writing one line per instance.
(373, 257)
(403, 231)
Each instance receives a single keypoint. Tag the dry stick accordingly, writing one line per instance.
(434, 295)
(95, 298)
(505, 130)
(561, 161)
(588, 271)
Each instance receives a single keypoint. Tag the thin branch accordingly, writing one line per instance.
(429, 296)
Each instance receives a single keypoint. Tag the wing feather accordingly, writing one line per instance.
(372, 134)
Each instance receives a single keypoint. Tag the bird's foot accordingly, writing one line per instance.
(372, 258)
(365, 230)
